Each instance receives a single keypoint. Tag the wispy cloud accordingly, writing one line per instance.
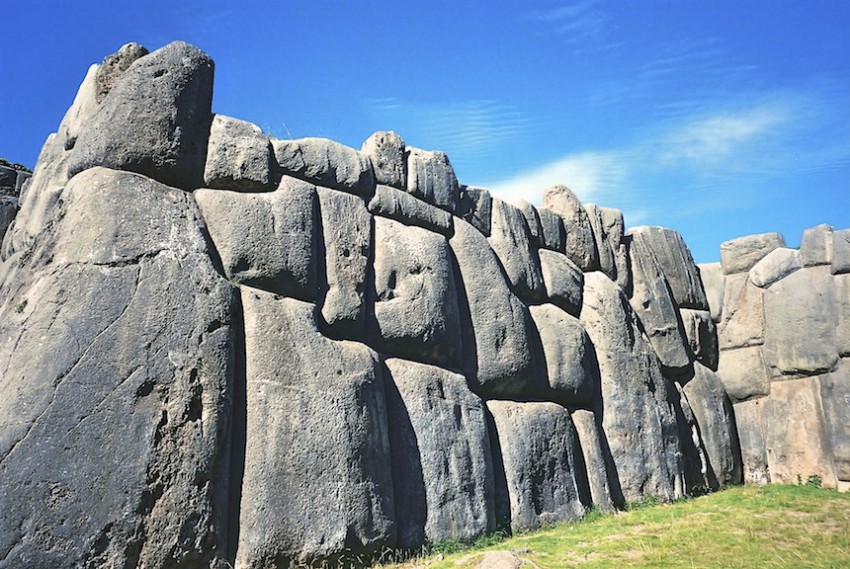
(577, 21)
(466, 130)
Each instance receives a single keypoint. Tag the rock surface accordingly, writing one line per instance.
(403, 207)
(580, 245)
(563, 280)
(775, 266)
(430, 177)
(386, 151)
(509, 239)
(741, 254)
(326, 163)
(239, 157)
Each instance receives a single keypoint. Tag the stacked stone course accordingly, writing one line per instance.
(218, 348)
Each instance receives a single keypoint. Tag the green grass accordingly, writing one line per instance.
(761, 527)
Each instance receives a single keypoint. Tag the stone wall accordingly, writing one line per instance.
(218, 348)
(12, 181)
(783, 321)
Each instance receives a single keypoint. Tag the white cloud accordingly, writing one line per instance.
(589, 175)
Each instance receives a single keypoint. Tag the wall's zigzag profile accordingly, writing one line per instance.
(222, 349)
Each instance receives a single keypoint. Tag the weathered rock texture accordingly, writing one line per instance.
(784, 344)
(220, 349)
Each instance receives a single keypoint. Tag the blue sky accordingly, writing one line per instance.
(716, 118)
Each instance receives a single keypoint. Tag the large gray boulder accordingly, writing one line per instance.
(568, 355)
(540, 476)
(715, 418)
(563, 280)
(653, 302)
(509, 239)
(800, 323)
(403, 207)
(430, 177)
(317, 480)
(795, 433)
(8, 211)
(267, 240)
(842, 314)
(386, 151)
(498, 359)
(606, 244)
(714, 283)
(748, 421)
(532, 219)
(441, 465)
(597, 459)
(239, 157)
(840, 252)
(580, 245)
(775, 266)
(701, 335)
(155, 119)
(117, 358)
(325, 163)
(638, 414)
(742, 321)
(347, 238)
(835, 395)
(554, 234)
(816, 245)
(743, 373)
(415, 308)
(673, 257)
(741, 254)
(476, 206)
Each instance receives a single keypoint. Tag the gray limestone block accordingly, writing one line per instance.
(603, 244)
(748, 421)
(117, 389)
(509, 239)
(239, 157)
(694, 455)
(653, 302)
(532, 219)
(498, 360)
(570, 360)
(326, 163)
(540, 476)
(22, 179)
(347, 239)
(113, 66)
(835, 396)
(638, 413)
(317, 479)
(386, 151)
(775, 266)
(674, 259)
(840, 252)
(842, 314)
(580, 245)
(8, 210)
(475, 206)
(614, 225)
(800, 314)
(702, 336)
(739, 255)
(155, 120)
(624, 268)
(441, 464)
(554, 233)
(403, 207)
(715, 418)
(430, 177)
(8, 179)
(795, 433)
(597, 459)
(742, 322)
(714, 282)
(266, 240)
(85, 105)
(415, 307)
(816, 245)
(743, 373)
(563, 280)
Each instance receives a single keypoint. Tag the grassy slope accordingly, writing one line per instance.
(765, 527)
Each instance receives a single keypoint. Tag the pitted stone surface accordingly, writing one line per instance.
(605, 245)
(563, 280)
(554, 234)
(403, 207)
(580, 246)
(701, 335)
(266, 240)
(430, 177)
(239, 157)
(816, 246)
(441, 463)
(386, 151)
(540, 477)
(326, 163)
(475, 206)
(509, 239)
(415, 310)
